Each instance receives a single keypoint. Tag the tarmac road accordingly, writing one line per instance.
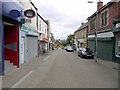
(62, 69)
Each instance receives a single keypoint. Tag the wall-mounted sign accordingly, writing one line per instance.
(29, 13)
(27, 20)
(15, 13)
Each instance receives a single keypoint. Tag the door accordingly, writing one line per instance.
(32, 47)
(22, 50)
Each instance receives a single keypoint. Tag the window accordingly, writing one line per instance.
(40, 26)
(92, 24)
(104, 18)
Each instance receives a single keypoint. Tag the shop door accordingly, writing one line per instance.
(22, 50)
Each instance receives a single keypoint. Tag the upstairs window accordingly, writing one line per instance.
(104, 19)
(92, 24)
(40, 26)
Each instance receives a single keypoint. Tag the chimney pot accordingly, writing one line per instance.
(99, 4)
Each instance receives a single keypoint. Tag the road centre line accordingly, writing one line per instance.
(21, 80)
(46, 58)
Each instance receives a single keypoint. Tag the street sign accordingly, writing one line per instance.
(29, 13)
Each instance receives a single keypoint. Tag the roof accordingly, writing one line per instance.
(105, 6)
(33, 5)
(41, 17)
(81, 27)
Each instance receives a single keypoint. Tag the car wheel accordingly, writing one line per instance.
(92, 57)
(81, 55)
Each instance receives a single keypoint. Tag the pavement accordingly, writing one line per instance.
(8, 79)
(41, 65)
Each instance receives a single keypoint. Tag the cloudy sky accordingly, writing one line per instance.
(65, 16)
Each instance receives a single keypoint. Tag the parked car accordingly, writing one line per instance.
(69, 49)
(118, 54)
(65, 48)
(85, 52)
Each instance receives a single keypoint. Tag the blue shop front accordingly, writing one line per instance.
(10, 23)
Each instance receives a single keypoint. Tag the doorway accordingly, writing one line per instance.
(22, 50)
(11, 43)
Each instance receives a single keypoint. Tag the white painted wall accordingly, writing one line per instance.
(42, 27)
(27, 5)
(33, 25)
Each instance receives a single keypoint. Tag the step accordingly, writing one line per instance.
(9, 66)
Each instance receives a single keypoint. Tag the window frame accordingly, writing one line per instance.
(93, 24)
(104, 18)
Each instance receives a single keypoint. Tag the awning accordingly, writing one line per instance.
(80, 40)
(102, 35)
(105, 35)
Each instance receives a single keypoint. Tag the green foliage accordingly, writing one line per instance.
(70, 39)
(63, 42)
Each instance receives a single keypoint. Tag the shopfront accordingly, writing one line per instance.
(117, 43)
(28, 43)
(11, 21)
(105, 45)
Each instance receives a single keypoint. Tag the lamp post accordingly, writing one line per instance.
(96, 30)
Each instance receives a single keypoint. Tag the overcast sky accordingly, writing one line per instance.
(65, 16)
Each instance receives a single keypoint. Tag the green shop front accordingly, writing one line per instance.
(28, 43)
(105, 45)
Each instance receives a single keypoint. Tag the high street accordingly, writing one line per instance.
(61, 69)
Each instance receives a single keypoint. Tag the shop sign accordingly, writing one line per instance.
(15, 13)
(29, 13)
(24, 28)
(28, 29)
(27, 20)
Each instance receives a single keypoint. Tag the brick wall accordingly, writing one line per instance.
(113, 12)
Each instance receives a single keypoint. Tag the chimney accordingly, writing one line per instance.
(82, 23)
(99, 4)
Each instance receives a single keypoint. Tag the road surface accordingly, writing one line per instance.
(62, 69)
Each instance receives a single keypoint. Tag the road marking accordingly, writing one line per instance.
(46, 58)
(21, 80)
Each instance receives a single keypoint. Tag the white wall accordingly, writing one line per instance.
(27, 5)
(43, 26)
(33, 25)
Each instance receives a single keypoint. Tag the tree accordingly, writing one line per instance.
(70, 39)
(63, 42)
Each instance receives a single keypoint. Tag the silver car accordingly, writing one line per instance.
(69, 49)
(85, 52)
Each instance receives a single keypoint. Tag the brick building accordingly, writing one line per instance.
(105, 35)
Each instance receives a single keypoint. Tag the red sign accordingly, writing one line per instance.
(29, 13)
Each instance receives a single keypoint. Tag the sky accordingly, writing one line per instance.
(65, 16)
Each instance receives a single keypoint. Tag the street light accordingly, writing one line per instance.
(95, 31)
